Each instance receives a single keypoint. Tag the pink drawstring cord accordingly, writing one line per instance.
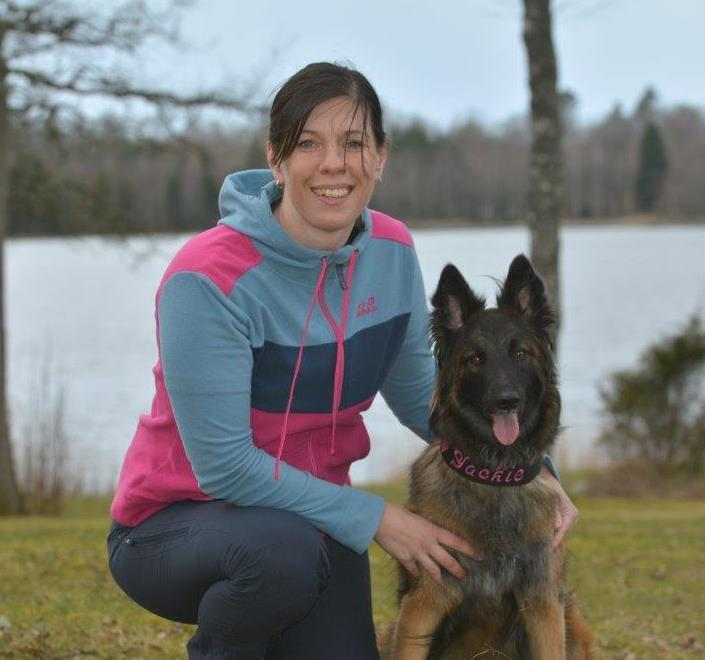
(339, 331)
(309, 314)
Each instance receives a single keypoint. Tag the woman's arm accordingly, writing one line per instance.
(408, 386)
(567, 513)
(207, 361)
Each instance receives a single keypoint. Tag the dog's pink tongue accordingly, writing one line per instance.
(505, 427)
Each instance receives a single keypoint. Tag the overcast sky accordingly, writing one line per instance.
(444, 60)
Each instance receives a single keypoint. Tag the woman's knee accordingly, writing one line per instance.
(267, 561)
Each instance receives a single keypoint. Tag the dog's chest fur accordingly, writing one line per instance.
(511, 527)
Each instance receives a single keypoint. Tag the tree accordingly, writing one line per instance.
(683, 129)
(53, 52)
(653, 167)
(656, 411)
(545, 198)
(646, 105)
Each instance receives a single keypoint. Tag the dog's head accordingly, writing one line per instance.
(496, 384)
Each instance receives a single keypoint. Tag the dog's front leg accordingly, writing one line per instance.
(545, 627)
(420, 612)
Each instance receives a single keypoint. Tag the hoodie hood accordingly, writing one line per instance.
(245, 202)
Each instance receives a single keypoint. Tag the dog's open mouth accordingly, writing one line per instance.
(505, 426)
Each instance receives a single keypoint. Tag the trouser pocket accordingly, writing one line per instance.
(141, 544)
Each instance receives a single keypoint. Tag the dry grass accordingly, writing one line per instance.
(637, 567)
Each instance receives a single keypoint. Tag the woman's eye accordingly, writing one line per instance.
(353, 145)
(476, 359)
(307, 144)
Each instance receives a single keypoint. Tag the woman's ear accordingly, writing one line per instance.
(271, 161)
(381, 161)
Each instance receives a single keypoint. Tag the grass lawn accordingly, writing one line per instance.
(638, 568)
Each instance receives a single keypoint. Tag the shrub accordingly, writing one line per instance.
(656, 411)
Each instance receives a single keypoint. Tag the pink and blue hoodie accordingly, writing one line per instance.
(269, 352)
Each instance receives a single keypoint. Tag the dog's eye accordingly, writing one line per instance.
(476, 359)
(520, 355)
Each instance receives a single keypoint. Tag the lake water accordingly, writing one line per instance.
(80, 317)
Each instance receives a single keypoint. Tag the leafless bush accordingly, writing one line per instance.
(46, 478)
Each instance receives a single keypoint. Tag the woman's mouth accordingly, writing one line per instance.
(337, 192)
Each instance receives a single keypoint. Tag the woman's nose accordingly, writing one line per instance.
(333, 159)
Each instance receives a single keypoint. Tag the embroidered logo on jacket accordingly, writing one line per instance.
(367, 307)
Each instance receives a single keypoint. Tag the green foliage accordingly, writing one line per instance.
(646, 106)
(656, 411)
(653, 167)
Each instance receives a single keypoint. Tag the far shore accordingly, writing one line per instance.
(423, 224)
(635, 220)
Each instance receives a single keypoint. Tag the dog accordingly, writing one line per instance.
(496, 411)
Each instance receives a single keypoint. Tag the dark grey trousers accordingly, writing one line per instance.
(259, 583)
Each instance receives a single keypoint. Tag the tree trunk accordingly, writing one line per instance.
(545, 169)
(10, 499)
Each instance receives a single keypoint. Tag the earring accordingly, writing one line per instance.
(379, 179)
(280, 185)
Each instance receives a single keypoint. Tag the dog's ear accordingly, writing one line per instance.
(524, 290)
(454, 302)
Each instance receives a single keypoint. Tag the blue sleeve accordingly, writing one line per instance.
(207, 361)
(408, 387)
(551, 466)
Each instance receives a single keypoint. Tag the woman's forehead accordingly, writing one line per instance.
(338, 114)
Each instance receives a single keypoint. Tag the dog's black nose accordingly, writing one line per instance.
(507, 400)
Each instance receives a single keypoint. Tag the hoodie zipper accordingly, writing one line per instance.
(341, 276)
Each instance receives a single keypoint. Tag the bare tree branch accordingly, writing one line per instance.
(123, 30)
(60, 27)
(83, 85)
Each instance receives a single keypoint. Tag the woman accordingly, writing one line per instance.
(276, 329)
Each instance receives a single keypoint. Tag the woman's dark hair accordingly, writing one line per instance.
(310, 87)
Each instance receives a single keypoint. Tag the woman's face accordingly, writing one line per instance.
(329, 177)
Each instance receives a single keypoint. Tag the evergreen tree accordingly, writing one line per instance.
(653, 167)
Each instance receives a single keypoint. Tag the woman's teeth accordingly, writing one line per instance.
(331, 192)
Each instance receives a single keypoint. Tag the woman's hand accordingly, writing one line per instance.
(566, 514)
(414, 541)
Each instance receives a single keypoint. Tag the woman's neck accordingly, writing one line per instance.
(313, 237)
